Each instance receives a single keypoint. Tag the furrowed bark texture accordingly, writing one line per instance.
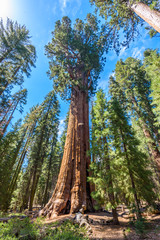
(152, 17)
(72, 190)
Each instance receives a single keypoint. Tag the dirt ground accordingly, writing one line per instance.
(103, 229)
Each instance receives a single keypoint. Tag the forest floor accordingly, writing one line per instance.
(102, 227)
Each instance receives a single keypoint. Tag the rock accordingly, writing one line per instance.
(83, 221)
(78, 217)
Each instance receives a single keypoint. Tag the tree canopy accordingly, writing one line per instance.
(77, 48)
(120, 16)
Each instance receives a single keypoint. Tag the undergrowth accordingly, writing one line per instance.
(141, 226)
(27, 230)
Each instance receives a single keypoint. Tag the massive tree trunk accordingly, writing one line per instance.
(72, 190)
(152, 17)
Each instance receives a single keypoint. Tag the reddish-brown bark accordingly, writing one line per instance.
(72, 190)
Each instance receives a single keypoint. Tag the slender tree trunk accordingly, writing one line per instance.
(5, 114)
(152, 17)
(33, 188)
(8, 121)
(12, 77)
(37, 171)
(110, 184)
(45, 196)
(71, 190)
(21, 160)
(39, 161)
(25, 199)
(15, 177)
(137, 202)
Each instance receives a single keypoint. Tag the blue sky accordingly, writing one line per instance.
(39, 16)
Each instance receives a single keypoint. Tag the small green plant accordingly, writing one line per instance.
(66, 231)
(128, 230)
(25, 230)
(18, 229)
(141, 226)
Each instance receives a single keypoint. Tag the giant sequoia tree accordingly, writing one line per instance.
(75, 63)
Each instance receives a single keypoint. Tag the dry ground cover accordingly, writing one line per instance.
(102, 227)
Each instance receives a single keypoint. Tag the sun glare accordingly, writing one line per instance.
(5, 8)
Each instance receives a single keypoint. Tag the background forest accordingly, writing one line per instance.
(124, 107)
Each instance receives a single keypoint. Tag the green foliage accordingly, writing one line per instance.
(9, 148)
(119, 166)
(66, 231)
(42, 154)
(152, 67)
(19, 229)
(102, 165)
(133, 80)
(120, 16)
(141, 226)
(76, 53)
(24, 229)
(17, 56)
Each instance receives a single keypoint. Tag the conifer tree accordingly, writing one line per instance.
(27, 132)
(102, 167)
(16, 103)
(132, 162)
(9, 149)
(39, 150)
(17, 57)
(75, 63)
(151, 63)
(49, 173)
(47, 129)
(133, 82)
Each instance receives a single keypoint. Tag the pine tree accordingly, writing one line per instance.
(133, 163)
(17, 56)
(39, 151)
(102, 167)
(151, 63)
(133, 82)
(15, 43)
(16, 103)
(49, 173)
(9, 149)
(47, 128)
(27, 132)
